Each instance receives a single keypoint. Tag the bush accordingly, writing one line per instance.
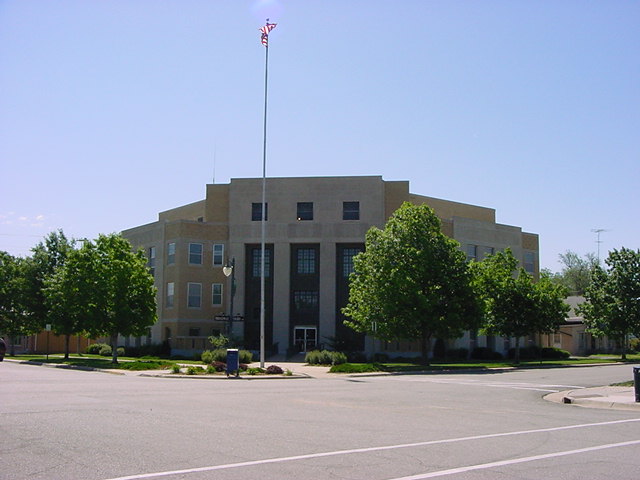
(555, 353)
(325, 357)
(220, 355)
(254, 371)
(194, 370)
(94, 348)
(274, 370)
(105, 351)
(175, 368)
(485, 353)
(458, 353)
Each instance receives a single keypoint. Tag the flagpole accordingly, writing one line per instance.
(264, 204)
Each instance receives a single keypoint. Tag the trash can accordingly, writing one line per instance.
(233, 362)
(636, 382)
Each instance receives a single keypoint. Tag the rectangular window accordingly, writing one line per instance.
(195, 254)
(257, 257)
(472, 252)
(194, 295)
(194, 332)
(305, 299)
(170, 292)
(218, 255)
(351, 210)
(256, 212)
(216, 294)
(529, 262)
(305, 211)
(486, 251)
(306, 261)
(347, 260)
(152, 260)
(171, 253)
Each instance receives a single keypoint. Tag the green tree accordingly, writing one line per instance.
(48, 256)
(515, 305)
(105, 289)
(411, 282)
(15, 317)
(576, 271)
(612, 304)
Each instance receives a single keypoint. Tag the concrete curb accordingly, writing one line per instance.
(614, 398)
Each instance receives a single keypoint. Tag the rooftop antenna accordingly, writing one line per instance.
(598, 231)
(214, 163)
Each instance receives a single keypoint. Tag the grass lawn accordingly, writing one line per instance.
(97, 361)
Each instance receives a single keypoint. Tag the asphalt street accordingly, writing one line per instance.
(65, 424)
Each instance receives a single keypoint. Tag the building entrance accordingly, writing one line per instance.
(305, 338)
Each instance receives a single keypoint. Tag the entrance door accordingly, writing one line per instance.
(305, 338)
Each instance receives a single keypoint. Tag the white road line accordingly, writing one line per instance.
(370, 449)
(514, 461)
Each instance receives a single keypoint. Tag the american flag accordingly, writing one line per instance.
(265, 33)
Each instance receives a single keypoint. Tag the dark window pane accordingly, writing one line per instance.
(306, 261)
(351, 210)
(256, 254)
(305, 211)
(256, 212)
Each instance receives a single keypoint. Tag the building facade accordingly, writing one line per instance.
(314, 227)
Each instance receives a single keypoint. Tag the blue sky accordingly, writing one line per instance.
(111, 111)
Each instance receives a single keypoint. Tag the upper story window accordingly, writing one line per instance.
(305, 211)
(218, 254)
(305, 300)
(216, 294)
(256, 212)
(351, 210)
(194, 295)
(306, 261)
(256, 262)
(529, 262)
(472, 252)
(171, 253)
(347, 260)
(152, 260)
(195, 254)
(170, 294)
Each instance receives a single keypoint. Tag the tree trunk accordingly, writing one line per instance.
(425, 344)
(114, 348)
(66, 346)
(517, 352)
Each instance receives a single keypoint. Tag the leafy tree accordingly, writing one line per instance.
(48, 256)
(612, 304)
(15, 318)
(515, 305)
(411, 282)
(105, 289)
(576, 272)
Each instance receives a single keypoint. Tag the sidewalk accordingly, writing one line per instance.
(617, 398)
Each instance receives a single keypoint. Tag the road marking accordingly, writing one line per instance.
(512, 385)
(251, 463)
(514, 461)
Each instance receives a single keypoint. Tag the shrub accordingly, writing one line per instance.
(211, 370)
(458, 353)
(219, 366)
(274, 370)
(245, 356)
(207, 356)
(193, 370)
(105, 351)
(94, 348)
(254, 370)
(175, 368)
(555, 353)
(325, 357)
(485, 353)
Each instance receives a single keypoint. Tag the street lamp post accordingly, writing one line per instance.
(230, 269)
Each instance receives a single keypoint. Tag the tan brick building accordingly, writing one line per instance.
(315, 225)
